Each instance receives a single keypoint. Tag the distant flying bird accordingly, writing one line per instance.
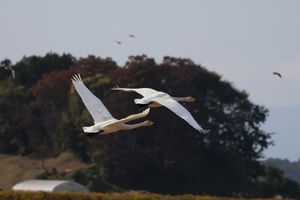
(118, 42)
(154, 98)
(104, 122)
(9, 68)
(131, 35)
(278, 74)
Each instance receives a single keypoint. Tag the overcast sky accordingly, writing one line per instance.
(244, 41)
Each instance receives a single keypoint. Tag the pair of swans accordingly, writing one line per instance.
(105, 123)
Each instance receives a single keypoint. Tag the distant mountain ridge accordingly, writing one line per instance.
(291, 169)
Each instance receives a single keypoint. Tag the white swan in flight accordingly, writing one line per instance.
(104, 122)
(154, 98)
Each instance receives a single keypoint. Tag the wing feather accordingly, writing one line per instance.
(94, 105)
(181, 111)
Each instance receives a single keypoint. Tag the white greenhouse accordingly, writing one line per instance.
(50, 186)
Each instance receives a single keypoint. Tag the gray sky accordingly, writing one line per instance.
(244, 41)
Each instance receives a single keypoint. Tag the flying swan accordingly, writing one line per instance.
(104, 122)
(154, 98)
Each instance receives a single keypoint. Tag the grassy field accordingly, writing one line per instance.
(15, 168)
(11, 195)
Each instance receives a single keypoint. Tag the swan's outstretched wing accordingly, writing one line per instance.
(142, 91)
(92, 103)
(179, 110)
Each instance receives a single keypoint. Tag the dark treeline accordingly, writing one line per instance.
(290, 169)
(41, 115)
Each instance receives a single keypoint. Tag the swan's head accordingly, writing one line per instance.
(91, 129)
(190, 99)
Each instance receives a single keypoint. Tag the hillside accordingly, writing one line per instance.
(15, 168)
(290, 169)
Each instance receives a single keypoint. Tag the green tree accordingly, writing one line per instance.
(30, 69)
(274, 183)
(291, 169)
(15, 118)
(4, 73)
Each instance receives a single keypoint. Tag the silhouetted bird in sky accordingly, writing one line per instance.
(131, 35)
(118, 42)
(278, 74)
